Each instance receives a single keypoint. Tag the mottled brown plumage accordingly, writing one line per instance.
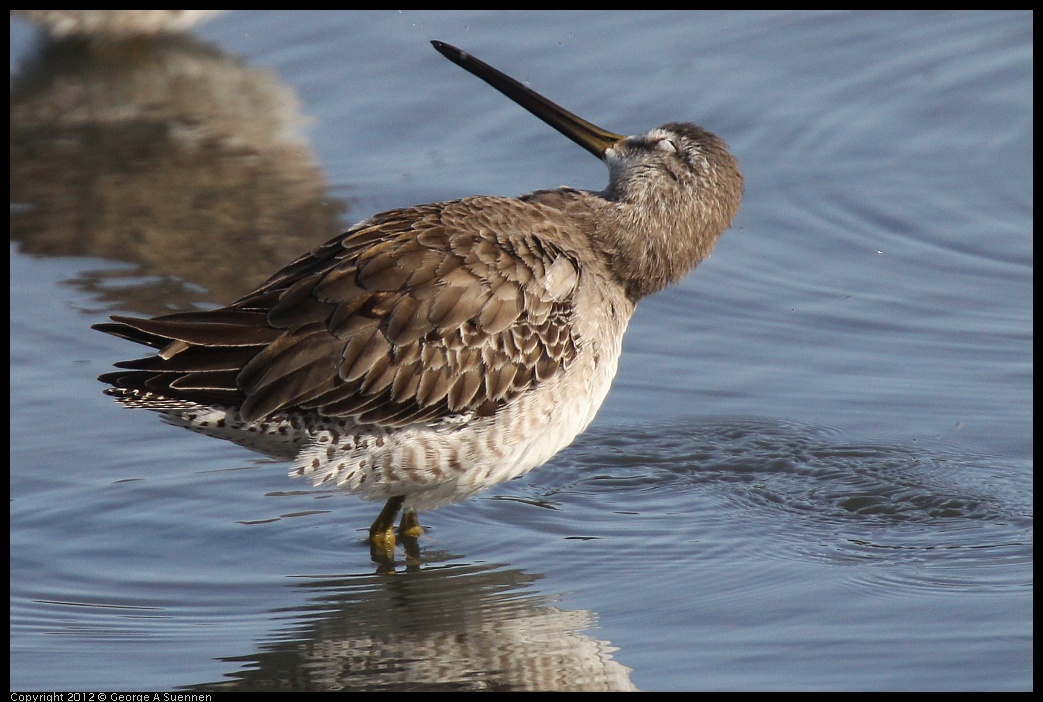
(433, 351)
(411, 316)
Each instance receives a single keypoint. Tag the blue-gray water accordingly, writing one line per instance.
(814, 470)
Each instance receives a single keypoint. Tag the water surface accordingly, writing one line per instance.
(814, 470)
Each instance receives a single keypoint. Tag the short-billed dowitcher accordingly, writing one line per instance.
(432, 352)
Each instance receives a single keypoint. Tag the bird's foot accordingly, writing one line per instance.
(382, 546)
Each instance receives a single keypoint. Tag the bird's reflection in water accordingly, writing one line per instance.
(472, 627)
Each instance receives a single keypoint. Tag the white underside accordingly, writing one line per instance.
(432, 464)
(437, 465)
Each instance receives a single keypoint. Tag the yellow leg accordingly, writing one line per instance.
(382, 533)
(409, 530)
(410, 525)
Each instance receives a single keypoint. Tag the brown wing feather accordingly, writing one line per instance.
(413, 315)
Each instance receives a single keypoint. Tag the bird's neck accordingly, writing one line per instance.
(645, 245)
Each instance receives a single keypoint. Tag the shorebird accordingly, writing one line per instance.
(431, 352)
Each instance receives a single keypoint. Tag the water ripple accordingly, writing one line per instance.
(785, 490)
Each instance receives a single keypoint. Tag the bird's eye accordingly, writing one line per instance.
(666, 145)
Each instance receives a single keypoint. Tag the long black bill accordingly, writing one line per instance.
(591, 137)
